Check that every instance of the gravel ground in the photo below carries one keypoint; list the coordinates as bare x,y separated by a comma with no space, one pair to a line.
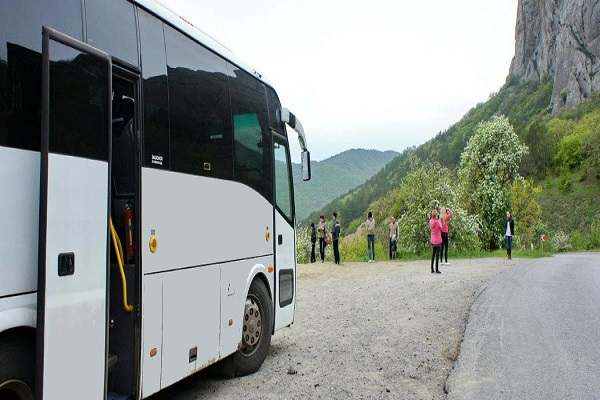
380,330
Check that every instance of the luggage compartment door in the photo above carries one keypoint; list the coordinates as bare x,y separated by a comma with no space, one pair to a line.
74,215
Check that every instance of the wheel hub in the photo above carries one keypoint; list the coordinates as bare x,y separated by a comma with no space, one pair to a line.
252,328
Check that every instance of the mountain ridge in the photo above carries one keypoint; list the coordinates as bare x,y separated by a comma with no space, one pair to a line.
336,175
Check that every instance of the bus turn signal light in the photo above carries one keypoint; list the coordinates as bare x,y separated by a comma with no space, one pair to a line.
270,269
153,352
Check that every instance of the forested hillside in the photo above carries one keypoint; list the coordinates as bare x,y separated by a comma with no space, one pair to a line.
335,176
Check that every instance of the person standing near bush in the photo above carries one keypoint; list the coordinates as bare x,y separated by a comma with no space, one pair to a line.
335,239
436,239
446,215
322,229
313,240
393,229
371,236
510,231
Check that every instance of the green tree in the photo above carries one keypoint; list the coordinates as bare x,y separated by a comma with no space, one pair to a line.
525,208
541,150
488,166
570,154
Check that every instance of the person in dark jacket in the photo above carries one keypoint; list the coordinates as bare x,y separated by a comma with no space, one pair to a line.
510,231
313,240
335,237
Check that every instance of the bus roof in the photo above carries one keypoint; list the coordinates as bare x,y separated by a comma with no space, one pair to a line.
179,22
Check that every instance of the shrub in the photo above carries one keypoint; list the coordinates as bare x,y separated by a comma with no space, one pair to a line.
565,185
593,238
354,248
577,242
561,242
569,152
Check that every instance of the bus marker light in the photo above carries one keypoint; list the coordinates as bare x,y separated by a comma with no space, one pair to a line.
268,234
153,352
270,269
230,322
153,244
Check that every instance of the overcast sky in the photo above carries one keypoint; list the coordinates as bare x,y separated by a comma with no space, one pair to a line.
374,74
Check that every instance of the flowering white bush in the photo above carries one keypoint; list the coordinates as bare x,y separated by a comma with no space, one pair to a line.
303,244
427,187
488,166
561,242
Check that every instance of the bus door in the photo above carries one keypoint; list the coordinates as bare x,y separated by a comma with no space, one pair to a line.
285,241
74,210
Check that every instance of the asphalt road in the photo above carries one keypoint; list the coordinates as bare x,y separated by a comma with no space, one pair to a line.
534,333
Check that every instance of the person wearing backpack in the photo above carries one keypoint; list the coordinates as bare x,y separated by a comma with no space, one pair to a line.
335,239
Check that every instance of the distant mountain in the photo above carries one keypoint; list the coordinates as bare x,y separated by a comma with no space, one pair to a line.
335,176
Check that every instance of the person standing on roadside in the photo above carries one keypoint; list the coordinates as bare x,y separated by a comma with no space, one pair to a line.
393,230
436,239
446,215
371,236
322,229
510,231
313,240
335,236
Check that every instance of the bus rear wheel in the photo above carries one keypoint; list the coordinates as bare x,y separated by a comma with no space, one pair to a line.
17,369
256,330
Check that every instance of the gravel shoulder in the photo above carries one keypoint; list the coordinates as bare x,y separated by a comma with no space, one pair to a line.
379,330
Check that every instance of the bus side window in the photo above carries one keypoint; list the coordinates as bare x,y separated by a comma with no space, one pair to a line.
201,134
155,135
252,135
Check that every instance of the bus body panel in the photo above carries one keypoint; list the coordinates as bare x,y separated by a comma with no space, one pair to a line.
176,322
75,305
190,321
19,208
201,221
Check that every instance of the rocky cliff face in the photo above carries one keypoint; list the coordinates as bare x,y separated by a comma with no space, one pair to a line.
560,40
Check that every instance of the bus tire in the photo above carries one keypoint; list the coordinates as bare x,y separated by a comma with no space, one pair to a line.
256,330
17,368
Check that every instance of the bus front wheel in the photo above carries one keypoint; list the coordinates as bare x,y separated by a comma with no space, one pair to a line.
256,330
17,368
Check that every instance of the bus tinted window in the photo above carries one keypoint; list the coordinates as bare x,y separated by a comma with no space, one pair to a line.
156,95
252,136
78,103
21,24
283,185
111,27
199,110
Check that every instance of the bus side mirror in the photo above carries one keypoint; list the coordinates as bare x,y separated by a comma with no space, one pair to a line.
306,165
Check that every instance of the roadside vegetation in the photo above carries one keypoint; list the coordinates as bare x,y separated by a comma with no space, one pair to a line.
508,153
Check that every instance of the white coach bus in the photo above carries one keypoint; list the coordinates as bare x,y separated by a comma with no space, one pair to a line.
146,203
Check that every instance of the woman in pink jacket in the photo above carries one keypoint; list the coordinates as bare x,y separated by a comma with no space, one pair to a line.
436,239
446,215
